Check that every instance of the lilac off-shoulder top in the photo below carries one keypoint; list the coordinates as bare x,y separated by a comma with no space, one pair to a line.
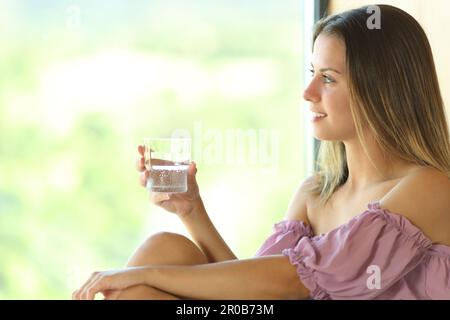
376,255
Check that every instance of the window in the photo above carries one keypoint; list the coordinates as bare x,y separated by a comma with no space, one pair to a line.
84,81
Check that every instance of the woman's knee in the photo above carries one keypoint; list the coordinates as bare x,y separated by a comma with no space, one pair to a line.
167,248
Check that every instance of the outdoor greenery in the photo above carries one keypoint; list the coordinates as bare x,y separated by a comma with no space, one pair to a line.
82,82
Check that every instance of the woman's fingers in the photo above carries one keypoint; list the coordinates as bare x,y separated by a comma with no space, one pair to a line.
98,285
78,294
143,177
141,149
158,197
192,171
192,168
107,282
140,164
98,282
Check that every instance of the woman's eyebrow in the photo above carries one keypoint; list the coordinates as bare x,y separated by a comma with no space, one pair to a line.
326,69
329,69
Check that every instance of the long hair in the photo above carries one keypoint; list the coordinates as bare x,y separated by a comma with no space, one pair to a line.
394,92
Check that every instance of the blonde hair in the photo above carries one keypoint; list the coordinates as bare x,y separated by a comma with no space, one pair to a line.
394,92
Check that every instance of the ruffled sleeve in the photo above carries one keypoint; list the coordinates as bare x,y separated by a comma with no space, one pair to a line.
286,234
361,259
438,273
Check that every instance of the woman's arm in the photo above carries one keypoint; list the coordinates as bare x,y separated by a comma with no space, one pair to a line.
269,277
188,206
209,240
205,234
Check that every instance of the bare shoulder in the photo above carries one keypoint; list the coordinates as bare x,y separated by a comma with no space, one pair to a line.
424,189
424,198
297,209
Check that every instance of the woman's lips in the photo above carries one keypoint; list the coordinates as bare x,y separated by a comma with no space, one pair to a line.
317,116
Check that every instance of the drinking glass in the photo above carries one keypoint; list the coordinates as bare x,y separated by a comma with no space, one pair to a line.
167,160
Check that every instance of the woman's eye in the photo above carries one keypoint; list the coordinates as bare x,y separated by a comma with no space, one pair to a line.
327,79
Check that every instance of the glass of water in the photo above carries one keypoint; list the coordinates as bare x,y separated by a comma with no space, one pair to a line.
167,160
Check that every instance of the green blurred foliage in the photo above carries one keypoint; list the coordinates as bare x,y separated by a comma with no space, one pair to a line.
84,81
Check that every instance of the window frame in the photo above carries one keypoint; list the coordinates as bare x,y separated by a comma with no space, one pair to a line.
313,11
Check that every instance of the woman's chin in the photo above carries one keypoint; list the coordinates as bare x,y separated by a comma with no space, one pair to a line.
323,136
326,135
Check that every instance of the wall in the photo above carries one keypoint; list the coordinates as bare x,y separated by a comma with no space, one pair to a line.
433,16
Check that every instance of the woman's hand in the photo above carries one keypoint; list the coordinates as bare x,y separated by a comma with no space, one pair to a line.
182,204
110,282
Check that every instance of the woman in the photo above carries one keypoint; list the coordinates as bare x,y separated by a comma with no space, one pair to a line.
372,222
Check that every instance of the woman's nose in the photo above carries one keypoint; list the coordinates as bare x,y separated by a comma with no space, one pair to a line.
311,92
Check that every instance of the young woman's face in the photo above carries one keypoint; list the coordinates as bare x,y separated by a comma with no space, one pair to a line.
327,91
